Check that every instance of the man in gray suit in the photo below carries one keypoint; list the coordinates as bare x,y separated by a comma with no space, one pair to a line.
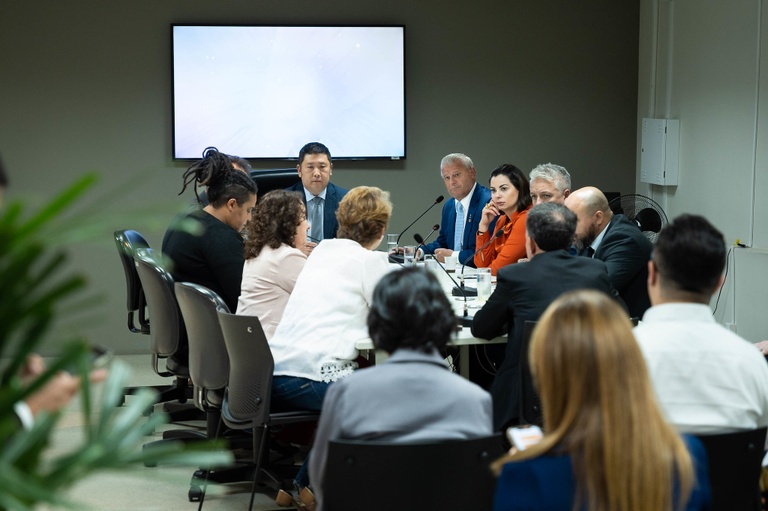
413,396
525,290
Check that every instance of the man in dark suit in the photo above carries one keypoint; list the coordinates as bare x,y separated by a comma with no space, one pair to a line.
321,197
525,290
465,205
616,241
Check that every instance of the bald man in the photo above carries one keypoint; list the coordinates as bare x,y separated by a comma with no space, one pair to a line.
616,241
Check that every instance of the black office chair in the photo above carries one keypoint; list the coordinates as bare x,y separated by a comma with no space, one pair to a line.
735,462
209,370
274,179
168,337
530,404
128,242
379,476
247,398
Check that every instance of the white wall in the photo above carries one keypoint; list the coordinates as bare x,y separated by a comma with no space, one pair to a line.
704,62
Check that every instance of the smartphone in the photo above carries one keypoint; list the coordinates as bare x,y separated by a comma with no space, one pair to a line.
524,437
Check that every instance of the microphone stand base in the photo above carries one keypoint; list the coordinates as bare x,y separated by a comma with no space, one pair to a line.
465,320
468,291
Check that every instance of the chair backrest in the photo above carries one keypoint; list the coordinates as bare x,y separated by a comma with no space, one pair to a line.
449,475
128,242
530,404
250,374
274,179
208,359
735,461
168,334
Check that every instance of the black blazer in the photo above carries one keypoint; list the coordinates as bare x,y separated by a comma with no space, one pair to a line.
333,196
523,292
625,250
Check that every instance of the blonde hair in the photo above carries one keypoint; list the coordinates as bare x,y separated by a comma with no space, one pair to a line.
599,408
363,213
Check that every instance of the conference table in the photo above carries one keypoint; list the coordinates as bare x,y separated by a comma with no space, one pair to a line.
463,337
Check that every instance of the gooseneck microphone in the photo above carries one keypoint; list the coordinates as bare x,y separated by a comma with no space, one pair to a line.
421,241
464,320
437,201
461,291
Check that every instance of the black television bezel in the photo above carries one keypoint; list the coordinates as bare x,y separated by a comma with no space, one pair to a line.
320,25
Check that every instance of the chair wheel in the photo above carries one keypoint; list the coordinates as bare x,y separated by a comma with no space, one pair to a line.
195,494
148,463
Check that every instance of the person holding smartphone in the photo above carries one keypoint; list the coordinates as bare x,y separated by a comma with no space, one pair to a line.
606,444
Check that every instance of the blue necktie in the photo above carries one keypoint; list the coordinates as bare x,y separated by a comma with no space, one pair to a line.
458,229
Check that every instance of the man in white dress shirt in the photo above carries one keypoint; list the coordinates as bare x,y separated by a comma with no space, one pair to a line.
707,378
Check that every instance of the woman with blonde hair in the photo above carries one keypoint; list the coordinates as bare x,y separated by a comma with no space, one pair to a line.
326,314
606,445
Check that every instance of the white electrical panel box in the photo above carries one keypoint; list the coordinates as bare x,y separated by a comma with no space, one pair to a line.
659,151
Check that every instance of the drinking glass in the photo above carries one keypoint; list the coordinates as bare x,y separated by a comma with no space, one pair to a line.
409,255
431,263
392,243
451,261
483,284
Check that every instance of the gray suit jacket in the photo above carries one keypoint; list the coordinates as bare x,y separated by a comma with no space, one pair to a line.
411,397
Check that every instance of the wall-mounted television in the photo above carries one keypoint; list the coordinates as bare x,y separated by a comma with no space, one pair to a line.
262,92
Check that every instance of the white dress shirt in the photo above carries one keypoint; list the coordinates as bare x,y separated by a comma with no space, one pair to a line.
707,379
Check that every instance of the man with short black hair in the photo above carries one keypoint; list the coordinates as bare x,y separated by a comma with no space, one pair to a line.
321,197
524,291
707,378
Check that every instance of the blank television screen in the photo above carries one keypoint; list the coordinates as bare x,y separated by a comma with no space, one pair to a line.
265,91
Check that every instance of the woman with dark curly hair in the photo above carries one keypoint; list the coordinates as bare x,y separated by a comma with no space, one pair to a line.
205,246
272,260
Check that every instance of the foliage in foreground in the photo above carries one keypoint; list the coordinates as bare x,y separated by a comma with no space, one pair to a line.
34,284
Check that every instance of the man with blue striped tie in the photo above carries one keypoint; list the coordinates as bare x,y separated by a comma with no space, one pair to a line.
461,213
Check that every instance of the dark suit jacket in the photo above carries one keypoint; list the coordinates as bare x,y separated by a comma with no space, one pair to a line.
333,196
522,294
625,250
479,199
